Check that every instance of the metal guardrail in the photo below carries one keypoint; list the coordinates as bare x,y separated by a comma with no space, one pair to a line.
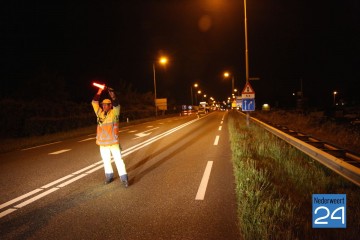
339,166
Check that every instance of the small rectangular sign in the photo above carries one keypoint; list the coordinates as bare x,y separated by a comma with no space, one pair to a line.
161,101
329,210
248,95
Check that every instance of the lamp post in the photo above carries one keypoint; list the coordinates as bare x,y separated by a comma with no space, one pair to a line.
246,59
155,89
246,46
163,61
335,92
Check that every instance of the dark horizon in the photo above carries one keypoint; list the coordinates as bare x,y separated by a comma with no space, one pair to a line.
290,42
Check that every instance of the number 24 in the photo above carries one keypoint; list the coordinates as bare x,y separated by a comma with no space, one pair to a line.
317,220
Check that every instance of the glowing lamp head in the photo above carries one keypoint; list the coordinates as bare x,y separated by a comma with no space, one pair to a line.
163,60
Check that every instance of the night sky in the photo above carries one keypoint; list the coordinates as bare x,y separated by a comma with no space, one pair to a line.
316,43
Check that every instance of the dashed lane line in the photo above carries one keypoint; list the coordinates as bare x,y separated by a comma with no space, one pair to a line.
216,140
59,152
200,195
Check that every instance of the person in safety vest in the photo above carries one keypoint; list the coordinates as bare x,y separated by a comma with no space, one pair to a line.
107,135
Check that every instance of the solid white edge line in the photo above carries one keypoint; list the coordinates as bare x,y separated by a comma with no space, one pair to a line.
86,168
94,169
36,197
71,180
204,182
57,181
20,198
155,138
6,212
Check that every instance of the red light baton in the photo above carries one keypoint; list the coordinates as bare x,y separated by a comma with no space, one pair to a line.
103,86
99,85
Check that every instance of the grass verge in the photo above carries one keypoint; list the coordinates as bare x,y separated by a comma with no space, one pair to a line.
275,183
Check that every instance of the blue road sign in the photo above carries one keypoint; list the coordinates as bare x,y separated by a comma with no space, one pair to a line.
248,104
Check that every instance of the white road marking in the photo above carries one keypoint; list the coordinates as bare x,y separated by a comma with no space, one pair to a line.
155,138
220,128
204,182
59,152
40,146
94,169
71,180
152,129
49,185
75,176
20,198
216,140
6,212
57,181
144,134
86,168
33,199
87,139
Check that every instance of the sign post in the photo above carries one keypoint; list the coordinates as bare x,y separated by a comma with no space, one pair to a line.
248,101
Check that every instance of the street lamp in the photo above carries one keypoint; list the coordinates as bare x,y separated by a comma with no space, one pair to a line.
335,92
226,75
199,92
191,92
163,61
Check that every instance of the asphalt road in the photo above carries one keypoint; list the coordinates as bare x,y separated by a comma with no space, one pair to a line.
181,186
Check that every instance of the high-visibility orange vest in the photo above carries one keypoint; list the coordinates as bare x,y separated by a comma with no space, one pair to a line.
108,125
